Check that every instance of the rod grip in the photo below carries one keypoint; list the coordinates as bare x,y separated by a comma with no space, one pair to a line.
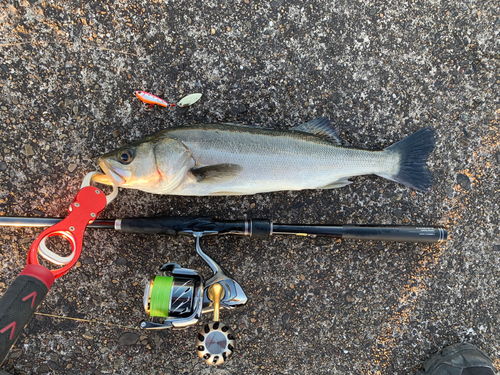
172,225
19,303
161,224
396,233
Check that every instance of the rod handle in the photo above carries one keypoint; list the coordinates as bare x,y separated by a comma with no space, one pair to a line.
172,225
19,303
395,233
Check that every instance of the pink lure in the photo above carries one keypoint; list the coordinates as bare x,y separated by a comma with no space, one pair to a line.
151,99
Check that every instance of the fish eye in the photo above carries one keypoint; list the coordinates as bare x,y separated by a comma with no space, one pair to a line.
126,156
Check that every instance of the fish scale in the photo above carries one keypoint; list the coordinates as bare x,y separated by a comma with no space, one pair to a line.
291,162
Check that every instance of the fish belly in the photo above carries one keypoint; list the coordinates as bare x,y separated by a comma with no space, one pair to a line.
275,161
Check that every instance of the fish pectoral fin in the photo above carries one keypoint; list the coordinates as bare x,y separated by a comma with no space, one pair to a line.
337,184
216,173
320,127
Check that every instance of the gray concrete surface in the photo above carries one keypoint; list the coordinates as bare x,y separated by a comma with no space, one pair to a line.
379,70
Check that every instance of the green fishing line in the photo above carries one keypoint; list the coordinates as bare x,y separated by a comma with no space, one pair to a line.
160,296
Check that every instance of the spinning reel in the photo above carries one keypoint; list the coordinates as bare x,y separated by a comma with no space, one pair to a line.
181,296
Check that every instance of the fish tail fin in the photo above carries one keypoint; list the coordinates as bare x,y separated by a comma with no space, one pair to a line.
414,151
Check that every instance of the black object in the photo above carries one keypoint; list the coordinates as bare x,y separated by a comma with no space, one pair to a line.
259,228
19,303
262,228
458,359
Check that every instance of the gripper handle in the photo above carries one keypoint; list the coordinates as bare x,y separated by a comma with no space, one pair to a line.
20,302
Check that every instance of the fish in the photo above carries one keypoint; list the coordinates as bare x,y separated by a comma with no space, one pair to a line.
151,99
231,159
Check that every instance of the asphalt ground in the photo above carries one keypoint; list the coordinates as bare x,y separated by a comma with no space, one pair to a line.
379,70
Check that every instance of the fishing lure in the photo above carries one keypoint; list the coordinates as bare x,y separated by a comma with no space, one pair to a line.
189,100
151,99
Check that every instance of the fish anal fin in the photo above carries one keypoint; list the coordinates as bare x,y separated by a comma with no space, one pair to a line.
226,193
216,173
337,184
320,127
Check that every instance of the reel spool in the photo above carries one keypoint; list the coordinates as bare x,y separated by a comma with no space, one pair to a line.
175,297
181,296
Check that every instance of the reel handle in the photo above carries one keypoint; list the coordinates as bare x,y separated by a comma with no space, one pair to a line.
215,342
20,302
216,294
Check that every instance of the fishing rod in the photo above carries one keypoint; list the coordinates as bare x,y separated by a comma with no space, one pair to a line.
258,228
179,297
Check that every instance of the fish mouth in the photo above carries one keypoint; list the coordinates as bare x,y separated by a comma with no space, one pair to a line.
102,179
110,176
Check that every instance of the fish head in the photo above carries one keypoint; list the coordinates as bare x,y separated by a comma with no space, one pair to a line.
149,165
129,166
142,94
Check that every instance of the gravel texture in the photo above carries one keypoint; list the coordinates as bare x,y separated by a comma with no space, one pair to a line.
379,70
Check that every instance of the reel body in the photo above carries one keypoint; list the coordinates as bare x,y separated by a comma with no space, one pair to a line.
177,297
180,297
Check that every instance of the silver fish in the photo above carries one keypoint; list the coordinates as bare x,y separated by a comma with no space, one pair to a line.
229,159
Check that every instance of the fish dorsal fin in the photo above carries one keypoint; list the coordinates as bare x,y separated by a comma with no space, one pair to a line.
216,173
320,127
